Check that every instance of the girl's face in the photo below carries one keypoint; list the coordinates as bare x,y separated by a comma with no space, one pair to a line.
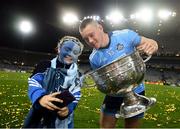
69,52
68,60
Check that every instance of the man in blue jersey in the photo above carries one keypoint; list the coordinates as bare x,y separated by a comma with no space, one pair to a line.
108,47
54,88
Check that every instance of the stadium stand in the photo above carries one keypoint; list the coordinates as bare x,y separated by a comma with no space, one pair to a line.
162,67
18,60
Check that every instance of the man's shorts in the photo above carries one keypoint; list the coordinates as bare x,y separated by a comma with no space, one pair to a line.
111,105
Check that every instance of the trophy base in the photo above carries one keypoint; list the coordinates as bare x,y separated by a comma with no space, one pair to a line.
140,105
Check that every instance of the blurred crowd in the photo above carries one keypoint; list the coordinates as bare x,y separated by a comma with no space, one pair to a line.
163,69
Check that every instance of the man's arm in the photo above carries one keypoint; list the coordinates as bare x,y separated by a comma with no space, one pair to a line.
148,46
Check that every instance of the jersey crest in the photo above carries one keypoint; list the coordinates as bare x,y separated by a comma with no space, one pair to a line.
120,46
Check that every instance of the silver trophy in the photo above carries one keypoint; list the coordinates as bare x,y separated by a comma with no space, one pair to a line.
119,78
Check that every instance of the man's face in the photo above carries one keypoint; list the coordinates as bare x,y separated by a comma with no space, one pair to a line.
92,34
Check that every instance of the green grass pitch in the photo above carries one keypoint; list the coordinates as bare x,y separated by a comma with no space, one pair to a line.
14,104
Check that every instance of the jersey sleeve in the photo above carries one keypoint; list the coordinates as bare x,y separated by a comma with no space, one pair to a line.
134,38
35,89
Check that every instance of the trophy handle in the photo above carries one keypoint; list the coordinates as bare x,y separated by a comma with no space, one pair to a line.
148,58
87,75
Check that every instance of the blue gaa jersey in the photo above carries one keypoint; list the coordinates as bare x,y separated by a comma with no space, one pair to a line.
122,43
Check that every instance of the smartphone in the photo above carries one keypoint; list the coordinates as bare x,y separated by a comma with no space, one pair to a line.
67,98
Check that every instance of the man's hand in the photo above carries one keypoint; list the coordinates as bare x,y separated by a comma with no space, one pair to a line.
148,46
46,101
63,112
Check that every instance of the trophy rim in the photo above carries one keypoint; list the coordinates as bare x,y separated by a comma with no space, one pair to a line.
112,62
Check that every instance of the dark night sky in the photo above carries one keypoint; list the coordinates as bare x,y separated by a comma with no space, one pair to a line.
45,15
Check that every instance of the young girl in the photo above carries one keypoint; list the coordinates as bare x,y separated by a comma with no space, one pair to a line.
50,79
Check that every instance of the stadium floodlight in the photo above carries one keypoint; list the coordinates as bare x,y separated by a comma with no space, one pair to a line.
70,18
94,17
165,14
145,15
115,17
25,26
173,14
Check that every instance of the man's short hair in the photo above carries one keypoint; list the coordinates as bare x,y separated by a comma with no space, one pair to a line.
88,21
